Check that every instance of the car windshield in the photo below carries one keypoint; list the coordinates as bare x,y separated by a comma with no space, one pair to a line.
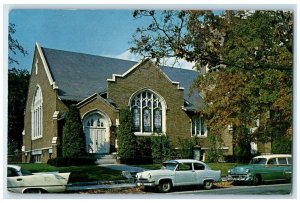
169,166
258,161
25,172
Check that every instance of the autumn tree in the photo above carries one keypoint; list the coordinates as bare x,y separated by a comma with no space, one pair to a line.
249,57
18,80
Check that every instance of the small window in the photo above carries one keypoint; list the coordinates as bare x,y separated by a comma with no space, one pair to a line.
282,161
290,160
184,167
272,161
11,172
198,166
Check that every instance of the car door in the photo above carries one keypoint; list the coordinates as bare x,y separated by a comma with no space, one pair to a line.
285,168
185,175
201,174
272,170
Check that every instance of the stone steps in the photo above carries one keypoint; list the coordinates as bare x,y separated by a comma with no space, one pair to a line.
106,159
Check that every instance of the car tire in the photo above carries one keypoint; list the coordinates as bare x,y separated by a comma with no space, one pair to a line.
207,185
165,186
256,180
34,190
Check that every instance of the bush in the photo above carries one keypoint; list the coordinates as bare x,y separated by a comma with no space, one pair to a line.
214,154
73,144
63,161
281,145
162,149
126,139
186,146
144,150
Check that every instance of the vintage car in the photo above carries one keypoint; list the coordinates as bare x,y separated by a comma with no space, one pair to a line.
179,172
22,181
273,167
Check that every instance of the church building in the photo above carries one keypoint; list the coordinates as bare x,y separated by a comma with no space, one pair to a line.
158,98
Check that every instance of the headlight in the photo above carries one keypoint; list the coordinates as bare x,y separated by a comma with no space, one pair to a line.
247,170
229,171
149,175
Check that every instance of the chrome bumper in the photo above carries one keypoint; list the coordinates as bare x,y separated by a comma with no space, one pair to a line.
239,177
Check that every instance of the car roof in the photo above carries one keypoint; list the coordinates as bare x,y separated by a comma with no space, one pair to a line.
18,168
268,156
183,161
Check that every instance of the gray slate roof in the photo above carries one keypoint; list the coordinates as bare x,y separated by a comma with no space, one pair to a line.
79,75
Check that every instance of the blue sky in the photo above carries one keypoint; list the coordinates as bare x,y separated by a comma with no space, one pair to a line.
98,32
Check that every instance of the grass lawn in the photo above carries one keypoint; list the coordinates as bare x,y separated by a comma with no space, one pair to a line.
78,173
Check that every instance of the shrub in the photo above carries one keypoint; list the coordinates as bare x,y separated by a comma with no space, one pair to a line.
162,149
214,154
144,150
281,145
73,144
185,148
79,161
126,139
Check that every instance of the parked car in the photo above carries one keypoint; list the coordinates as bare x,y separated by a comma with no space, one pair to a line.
22,181
179,172
273,167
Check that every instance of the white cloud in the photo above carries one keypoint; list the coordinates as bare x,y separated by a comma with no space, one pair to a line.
180,63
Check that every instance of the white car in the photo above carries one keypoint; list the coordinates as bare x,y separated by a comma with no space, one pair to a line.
22,181
179,172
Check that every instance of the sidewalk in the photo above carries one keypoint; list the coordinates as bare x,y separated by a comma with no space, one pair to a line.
127,171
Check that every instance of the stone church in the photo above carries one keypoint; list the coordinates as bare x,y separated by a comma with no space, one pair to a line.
158,98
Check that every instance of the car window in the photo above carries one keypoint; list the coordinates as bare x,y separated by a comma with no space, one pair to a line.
184,167
290,160
272,161
282,161
25,172
11,172
258,161
198,166
169,166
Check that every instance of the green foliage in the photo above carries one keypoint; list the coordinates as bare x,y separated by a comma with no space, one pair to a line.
13,45
127,145
162,148
253,53
282,145
73,142
18,81
185,150
143,150
214,154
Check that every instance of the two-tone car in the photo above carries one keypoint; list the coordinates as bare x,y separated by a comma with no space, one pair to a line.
23,181
264,168
180,172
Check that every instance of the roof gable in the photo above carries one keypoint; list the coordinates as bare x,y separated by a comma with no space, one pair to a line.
78,75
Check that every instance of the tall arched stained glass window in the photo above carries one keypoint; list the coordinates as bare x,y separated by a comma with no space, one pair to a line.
37,114
147,112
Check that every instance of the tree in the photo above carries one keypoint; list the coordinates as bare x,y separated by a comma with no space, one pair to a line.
73,142
18,81
13,45
252,54
127,144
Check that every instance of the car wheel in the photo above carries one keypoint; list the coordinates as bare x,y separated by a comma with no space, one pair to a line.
165,186
34,190
208,184
256,180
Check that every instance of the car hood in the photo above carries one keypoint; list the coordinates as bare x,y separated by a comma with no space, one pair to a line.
242,169
161,172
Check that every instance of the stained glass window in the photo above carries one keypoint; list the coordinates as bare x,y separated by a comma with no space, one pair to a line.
146,110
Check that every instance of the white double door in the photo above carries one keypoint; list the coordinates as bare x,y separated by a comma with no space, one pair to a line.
96,132
97,141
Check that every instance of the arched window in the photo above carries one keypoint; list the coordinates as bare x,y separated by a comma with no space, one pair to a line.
147,111
37,114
